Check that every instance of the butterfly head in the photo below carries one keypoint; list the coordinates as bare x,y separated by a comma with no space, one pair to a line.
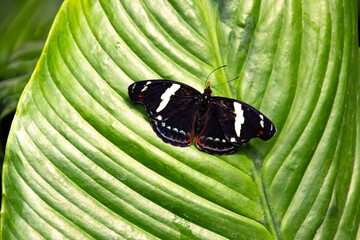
207,90
208,84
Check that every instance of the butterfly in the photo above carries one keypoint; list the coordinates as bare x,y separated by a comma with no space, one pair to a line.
179,114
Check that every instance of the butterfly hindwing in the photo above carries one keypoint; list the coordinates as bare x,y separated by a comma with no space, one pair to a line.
177,129
212,138
171,106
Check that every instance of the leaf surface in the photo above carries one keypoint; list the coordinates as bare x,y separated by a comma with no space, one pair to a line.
83,162
24,26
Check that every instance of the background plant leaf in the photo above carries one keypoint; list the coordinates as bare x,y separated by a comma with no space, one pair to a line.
24,26
83,162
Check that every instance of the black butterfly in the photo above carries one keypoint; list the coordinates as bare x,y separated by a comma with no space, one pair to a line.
179,113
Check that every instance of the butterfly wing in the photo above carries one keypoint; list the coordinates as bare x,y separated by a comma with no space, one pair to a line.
212,138
233,123
171,106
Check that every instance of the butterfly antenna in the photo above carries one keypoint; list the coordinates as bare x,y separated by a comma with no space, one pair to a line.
212,72
226,82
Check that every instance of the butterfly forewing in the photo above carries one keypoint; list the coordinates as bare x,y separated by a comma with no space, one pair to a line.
171,106
241,122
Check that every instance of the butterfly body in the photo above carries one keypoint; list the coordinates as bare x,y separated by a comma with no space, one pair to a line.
179,114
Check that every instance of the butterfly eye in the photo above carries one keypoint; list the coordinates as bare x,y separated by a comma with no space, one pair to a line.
140,96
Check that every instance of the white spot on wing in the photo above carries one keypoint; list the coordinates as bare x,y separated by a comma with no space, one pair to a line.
262,123
239,119
144,88
232,139
159,117
165,97
133,87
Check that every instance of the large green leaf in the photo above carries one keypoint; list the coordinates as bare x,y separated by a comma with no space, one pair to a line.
24,26
83,162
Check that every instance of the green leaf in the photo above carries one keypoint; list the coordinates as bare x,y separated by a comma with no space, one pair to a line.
83,162
24,26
